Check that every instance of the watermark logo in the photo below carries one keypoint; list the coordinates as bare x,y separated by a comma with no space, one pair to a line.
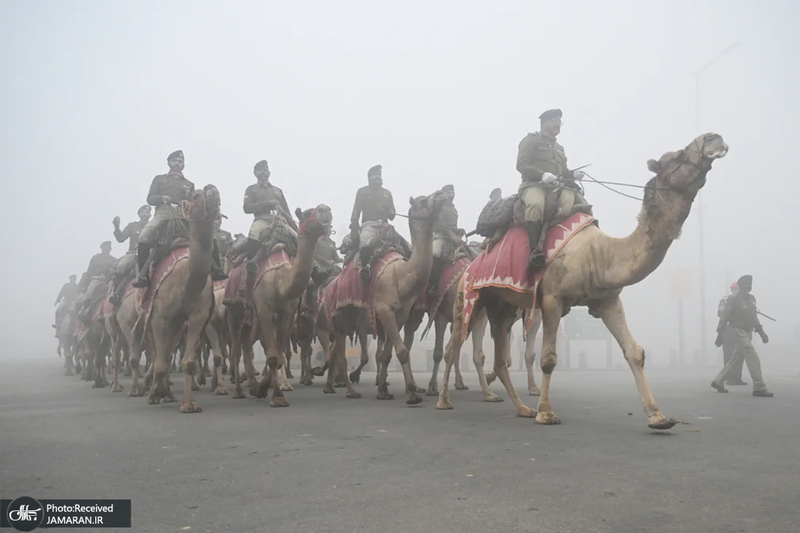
25,514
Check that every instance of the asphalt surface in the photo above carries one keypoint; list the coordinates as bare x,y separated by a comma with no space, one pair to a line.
327,463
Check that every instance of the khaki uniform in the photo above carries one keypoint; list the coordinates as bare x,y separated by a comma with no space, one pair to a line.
740,317
257,199
325,254
539,153
68,294
174,185
127,263
95,280
445,233
374,206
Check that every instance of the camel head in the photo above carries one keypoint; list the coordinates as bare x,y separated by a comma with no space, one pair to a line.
685,170
204,204
426,207
315,222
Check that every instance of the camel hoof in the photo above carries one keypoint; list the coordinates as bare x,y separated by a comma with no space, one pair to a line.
116,387
527,413
169,398
286,387
354,394
289,374
547,419
414,399
355,377
432,391
461,387
418,390
238,394
308,382
329,390
151,400
385,395
191,408
279,402
534,392
443,404
317,371
662,423
134,393
339,384
221,391
201,380
494,398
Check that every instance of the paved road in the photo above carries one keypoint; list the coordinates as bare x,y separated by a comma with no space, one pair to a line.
331,464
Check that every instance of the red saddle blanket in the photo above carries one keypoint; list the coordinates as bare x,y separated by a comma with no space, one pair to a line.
349,289
450,275
506,264
158,274
108,309
235,284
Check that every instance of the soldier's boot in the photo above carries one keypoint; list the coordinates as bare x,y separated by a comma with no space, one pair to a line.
118,283
366,269
251,247
537,259
433,280
217,272
143,261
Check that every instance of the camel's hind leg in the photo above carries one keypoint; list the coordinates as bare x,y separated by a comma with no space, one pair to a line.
197,322
163,341
391,328
501,317
551,315
530,353
453,349
479,358
613,315
274,360
217,380
355,375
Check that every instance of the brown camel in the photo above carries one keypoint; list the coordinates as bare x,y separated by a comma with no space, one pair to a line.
65,333
185,296
218,322
119,326
275,299
591,270
396,289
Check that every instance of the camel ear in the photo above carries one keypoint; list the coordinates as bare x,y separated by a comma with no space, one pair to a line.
411,200
653,166
298,212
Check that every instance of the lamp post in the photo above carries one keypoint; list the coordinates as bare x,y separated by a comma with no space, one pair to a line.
697,75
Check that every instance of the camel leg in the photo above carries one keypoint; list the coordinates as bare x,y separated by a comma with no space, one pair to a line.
459,384
339,360
274,361
501,317
551,315
383,356
479,358
197,322
440,325
355,375
235,328
393,338
116,349
613,315
530,353
217,380
163,341
282,341
453,349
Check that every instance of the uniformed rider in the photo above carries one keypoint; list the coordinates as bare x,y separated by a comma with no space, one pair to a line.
126,267
374,206
447,237
543,163
167,193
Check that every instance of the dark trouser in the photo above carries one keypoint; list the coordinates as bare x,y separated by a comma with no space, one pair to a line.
728,345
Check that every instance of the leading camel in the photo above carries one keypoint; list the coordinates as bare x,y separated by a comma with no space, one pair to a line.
592,269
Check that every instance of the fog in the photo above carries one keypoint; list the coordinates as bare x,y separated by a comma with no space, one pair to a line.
97,94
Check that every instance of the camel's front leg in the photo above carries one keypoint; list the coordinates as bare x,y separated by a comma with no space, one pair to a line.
530,353
217,380
355,375
613,316
116,349
274,360
551,315
285,351
440,325
390,327
479,358
196,324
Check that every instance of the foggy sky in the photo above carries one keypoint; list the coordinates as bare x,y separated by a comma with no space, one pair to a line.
96,94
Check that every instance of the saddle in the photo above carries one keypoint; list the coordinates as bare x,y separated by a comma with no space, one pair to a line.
278,237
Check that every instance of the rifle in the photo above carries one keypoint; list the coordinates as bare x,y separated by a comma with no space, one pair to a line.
765,316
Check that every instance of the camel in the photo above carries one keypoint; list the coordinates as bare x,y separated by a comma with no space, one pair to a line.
275,298
65,333
219,322
591,270
185,296
119,326
396,288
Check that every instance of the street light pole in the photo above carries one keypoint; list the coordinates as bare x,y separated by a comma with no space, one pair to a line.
700,202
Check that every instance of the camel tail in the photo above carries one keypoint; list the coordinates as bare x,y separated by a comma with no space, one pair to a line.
458,311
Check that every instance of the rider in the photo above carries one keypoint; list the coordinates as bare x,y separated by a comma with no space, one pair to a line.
95,279
67,295
326,260
167,192
222,239
375,206
542,162
446,239
268,205
126,268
